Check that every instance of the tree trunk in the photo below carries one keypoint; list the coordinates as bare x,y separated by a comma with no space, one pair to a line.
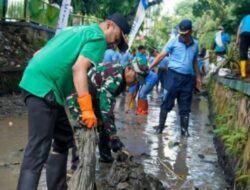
84,176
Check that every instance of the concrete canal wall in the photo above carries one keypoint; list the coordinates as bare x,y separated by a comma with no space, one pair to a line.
231,108
18,42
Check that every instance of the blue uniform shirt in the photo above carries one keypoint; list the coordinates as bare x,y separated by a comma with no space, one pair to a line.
141,55
164,63
245,24
225,40
126,58
181,56
109,56
116,57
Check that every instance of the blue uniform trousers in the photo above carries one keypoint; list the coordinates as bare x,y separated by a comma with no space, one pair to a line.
178,86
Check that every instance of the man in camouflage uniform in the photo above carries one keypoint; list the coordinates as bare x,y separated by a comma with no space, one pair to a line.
106,82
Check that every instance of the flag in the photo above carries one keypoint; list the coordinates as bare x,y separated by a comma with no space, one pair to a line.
64,15
140,15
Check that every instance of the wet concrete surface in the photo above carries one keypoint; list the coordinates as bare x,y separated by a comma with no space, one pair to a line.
179,162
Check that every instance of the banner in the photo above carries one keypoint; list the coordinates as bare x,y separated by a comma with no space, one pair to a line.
64,15
140,15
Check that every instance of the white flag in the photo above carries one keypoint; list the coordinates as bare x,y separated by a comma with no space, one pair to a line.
140,15
64,15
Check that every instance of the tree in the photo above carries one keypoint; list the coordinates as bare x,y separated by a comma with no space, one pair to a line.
240,9
103,8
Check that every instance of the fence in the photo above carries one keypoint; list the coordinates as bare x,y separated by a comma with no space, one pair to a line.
39,12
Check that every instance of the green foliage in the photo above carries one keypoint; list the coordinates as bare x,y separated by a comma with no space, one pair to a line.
184,9
103,8
200,7
234,138
159,34
206,39
225,12
238,95
42,13
52,15
35,9
243,179
222,119
235,141
79,5
232,57
240,9
15,10
221,130
1,8
38,43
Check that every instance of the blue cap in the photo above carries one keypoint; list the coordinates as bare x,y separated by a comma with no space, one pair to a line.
185,26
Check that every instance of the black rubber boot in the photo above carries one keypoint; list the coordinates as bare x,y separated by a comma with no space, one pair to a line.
184,125
162,120
104,149
56,171
28,180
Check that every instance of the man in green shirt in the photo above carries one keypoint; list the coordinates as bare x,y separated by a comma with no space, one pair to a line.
57,70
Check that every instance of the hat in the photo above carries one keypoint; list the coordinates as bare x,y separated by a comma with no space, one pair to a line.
185,26
220,28
140,67
122,23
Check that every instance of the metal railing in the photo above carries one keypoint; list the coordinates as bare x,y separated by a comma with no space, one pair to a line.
39,12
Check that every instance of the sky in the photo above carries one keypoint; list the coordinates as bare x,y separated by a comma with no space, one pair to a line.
169,6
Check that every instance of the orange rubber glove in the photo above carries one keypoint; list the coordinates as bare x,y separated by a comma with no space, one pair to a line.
88,115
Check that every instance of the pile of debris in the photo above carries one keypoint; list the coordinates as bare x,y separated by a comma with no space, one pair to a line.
126,174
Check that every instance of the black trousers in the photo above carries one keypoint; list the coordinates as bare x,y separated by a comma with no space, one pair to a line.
47,123
244,45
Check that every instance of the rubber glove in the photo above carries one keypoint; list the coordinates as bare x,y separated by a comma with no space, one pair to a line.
88,115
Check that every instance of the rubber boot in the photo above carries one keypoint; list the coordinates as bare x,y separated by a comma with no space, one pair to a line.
162,120
184,125
28,180
56,171
243,64
144,107
139,107
104,149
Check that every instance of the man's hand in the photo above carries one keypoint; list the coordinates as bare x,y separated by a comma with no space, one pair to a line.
198,83
237,43
116,144
88,115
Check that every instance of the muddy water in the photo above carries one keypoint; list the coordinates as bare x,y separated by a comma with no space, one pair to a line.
180,163
13,135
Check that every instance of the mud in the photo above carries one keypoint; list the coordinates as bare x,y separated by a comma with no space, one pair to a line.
11,105
175,161
127,174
